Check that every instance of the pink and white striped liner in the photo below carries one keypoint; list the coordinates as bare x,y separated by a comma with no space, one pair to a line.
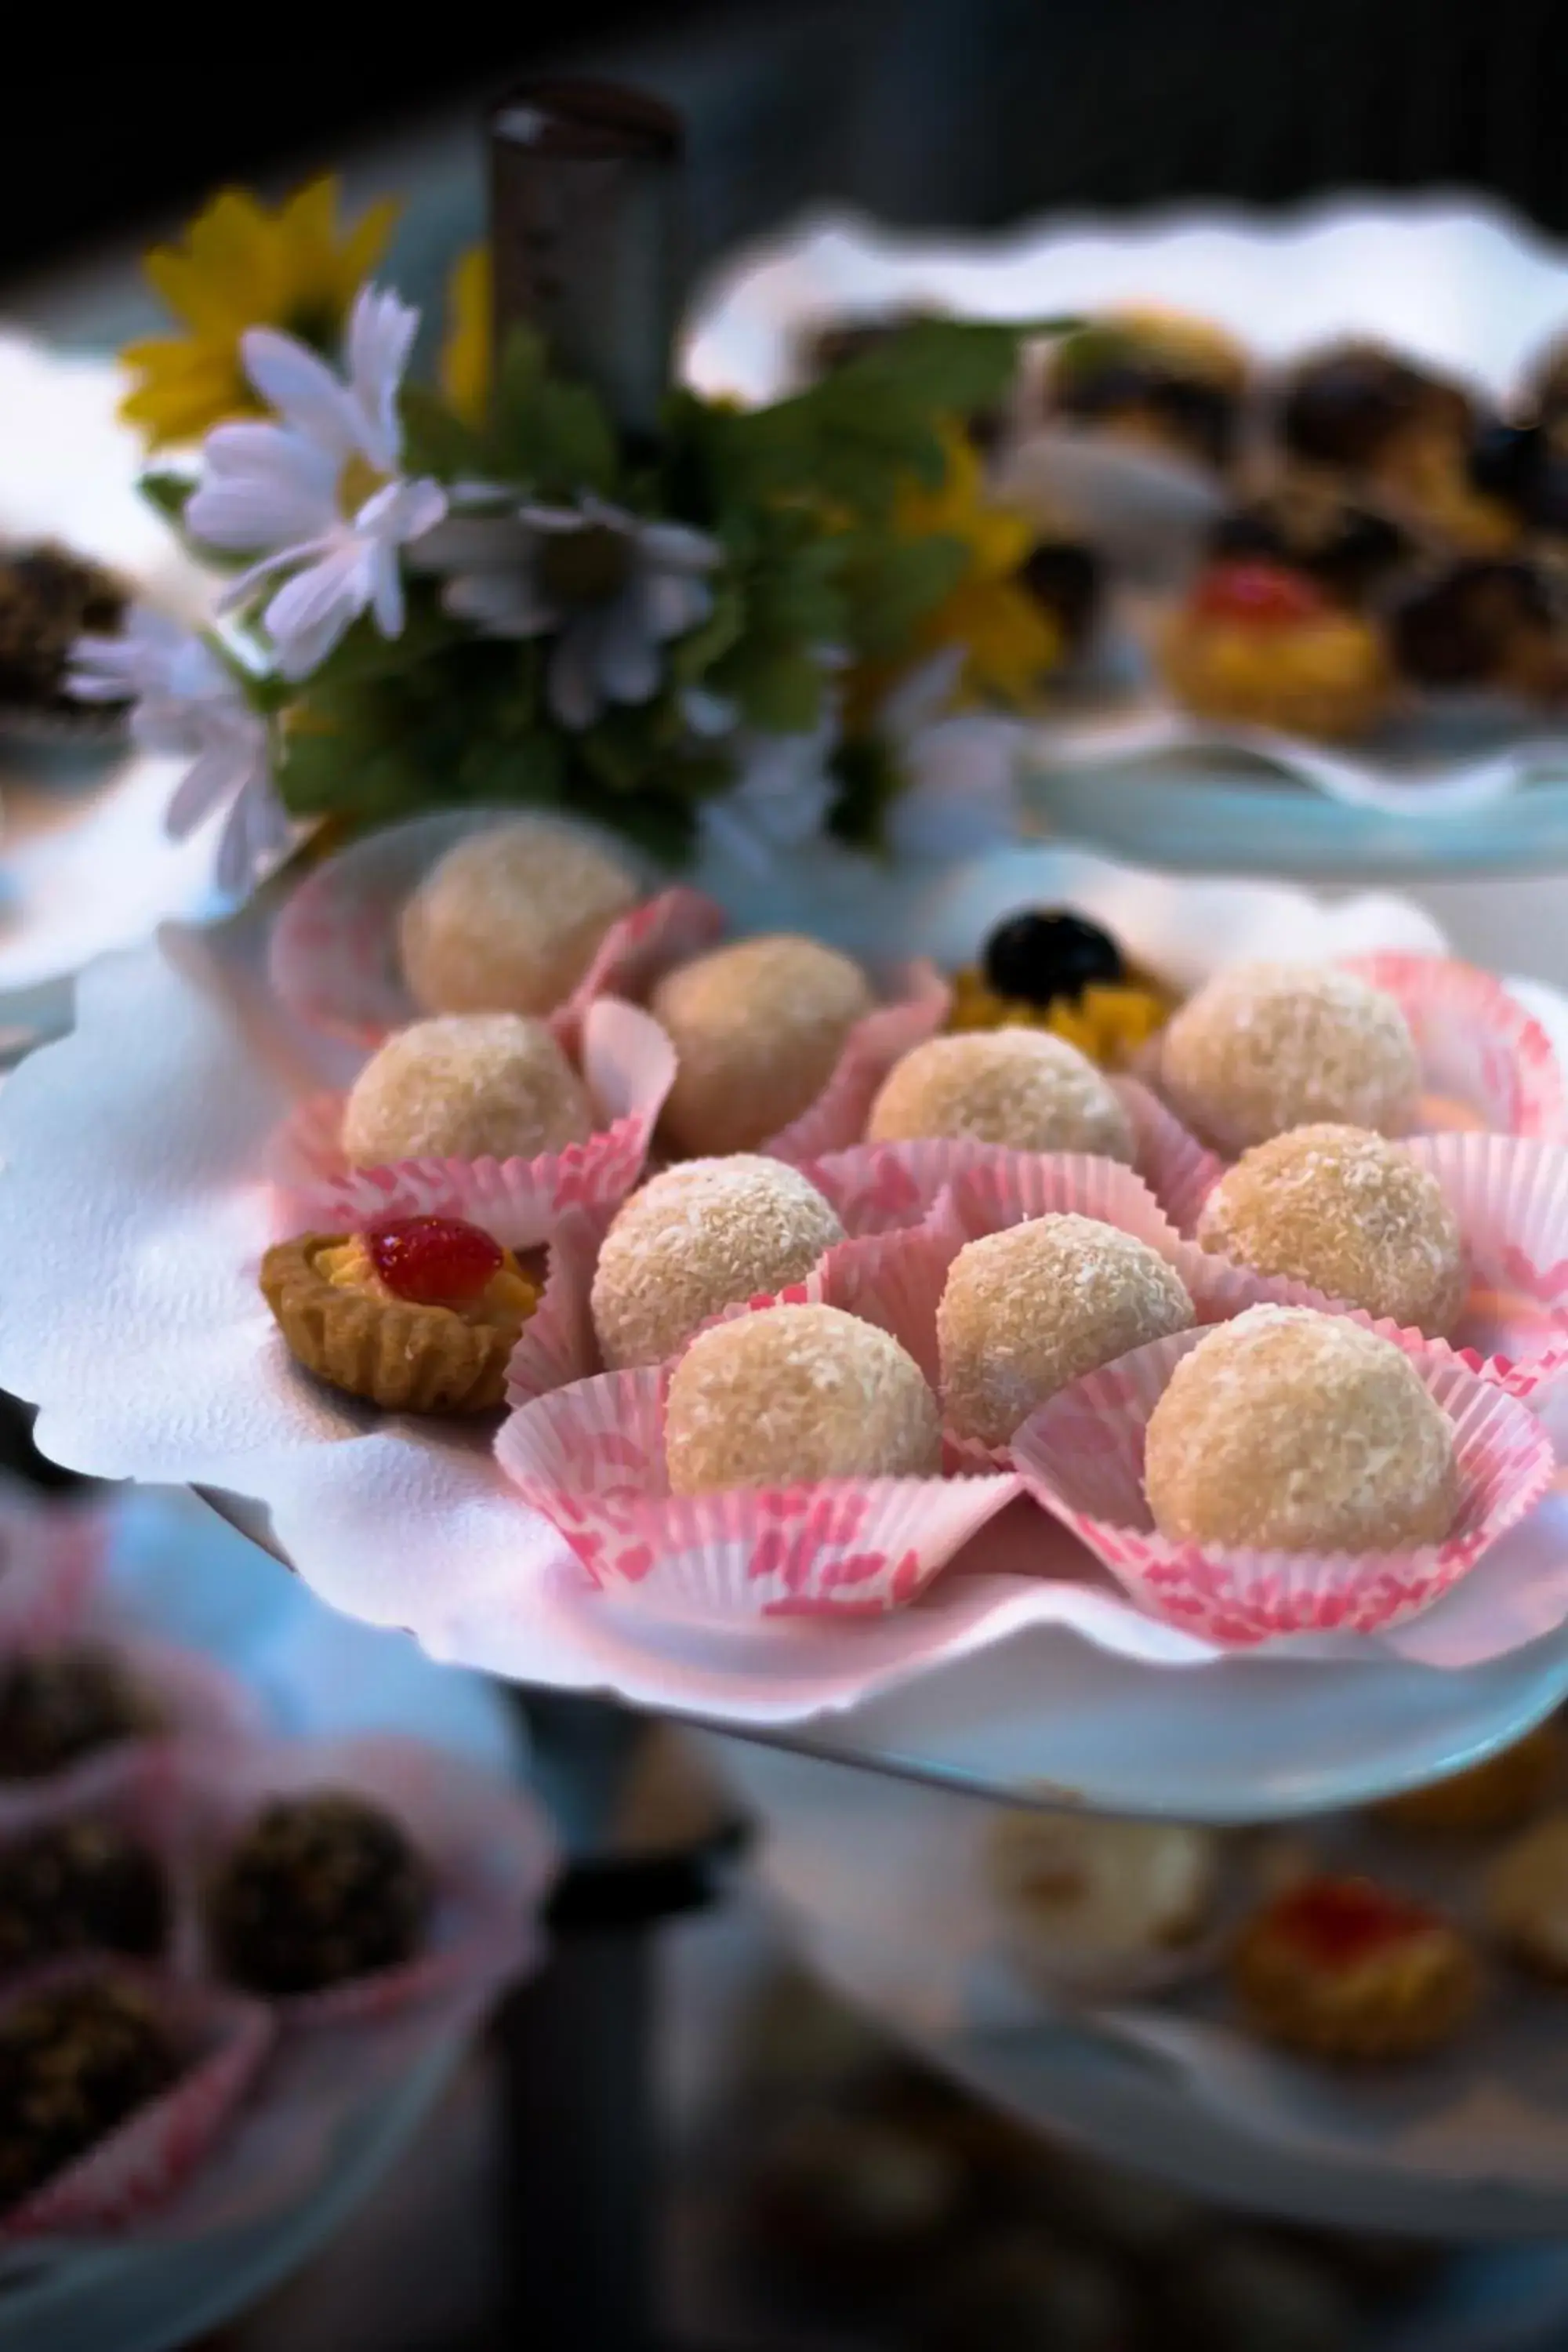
591,1459
486,1843
1081,1456
128,2174
1486,1061
51,1553
628,1064
837,1120
333,955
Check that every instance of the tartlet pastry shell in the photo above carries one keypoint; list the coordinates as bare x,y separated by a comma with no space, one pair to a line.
393,1353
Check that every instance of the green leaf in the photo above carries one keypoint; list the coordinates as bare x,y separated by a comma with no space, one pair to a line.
712,638
436,442
547,433
167,493
890,584
779,689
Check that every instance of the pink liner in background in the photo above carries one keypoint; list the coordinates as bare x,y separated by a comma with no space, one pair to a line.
134,2171
1081,1456
332,954
629,1065
1485,1060
51,1555
486,1843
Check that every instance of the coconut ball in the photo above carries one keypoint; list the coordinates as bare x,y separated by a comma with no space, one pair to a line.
1299,1433
1348,1213
757,1028
466,1086
793,1394
1027,1311
1020,1087
510,920
707,1234
1268,1047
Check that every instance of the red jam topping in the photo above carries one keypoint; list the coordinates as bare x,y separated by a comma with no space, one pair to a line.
1338,1921
434,1261
1263,594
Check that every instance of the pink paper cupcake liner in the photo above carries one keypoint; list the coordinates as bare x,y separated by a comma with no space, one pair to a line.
628,1064
1177,1169
133,2171
1081,1456
490,1854
51,1554
333,955
883,1189
591,1459
837,1120
1485,1062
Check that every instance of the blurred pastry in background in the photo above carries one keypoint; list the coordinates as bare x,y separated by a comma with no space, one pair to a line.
1257,645
1496,1795
1347,1968
1364,410
1347,548
1082,1893
1486,624
1527,1897
48,598
1155,377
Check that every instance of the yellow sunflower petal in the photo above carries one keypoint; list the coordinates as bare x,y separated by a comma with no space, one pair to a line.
184,390
364,246
1011,644
465,354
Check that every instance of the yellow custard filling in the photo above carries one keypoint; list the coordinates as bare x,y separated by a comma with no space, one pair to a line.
1109,1022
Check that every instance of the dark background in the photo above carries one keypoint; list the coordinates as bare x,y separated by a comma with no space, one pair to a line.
959,110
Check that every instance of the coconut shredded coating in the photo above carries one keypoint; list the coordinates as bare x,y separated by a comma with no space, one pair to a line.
707,1234
1350,1214
1298,1432
466,1086
757,1028
1022,1089
794,1394
511,919
1027,1311
1264,1047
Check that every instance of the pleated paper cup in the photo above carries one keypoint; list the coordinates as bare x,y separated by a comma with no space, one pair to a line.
484,1842
629,1065
1485,1062
837,1120
51,1554
1178,1170
333,957
888,1188
1081,1456
224,2038
591,1459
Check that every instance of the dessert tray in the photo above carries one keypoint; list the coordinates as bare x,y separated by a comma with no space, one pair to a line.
1462,288
1022,1667
328,2123
85,862
886,1890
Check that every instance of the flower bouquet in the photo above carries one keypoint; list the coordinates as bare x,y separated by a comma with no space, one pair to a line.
688,621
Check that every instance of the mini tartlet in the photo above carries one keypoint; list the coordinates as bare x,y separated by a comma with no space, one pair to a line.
1346,1968
1256,644
419,1315
1527,1897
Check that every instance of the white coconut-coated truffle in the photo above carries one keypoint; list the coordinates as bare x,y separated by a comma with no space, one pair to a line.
757,1028
511,919
794,1394
704,1235
1264,1047
466,1086
1028,1310
1022,1089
